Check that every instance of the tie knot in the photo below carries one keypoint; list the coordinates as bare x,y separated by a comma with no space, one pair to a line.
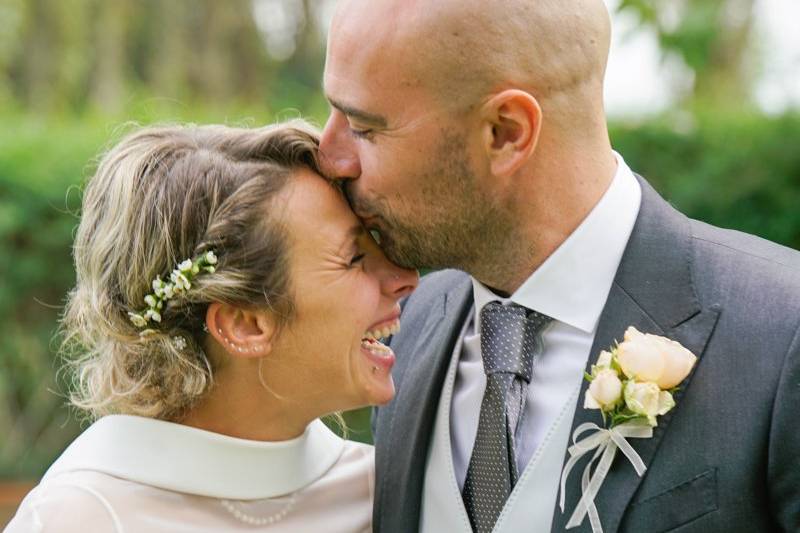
510,337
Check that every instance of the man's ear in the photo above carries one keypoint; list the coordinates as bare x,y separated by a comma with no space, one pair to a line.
512,122
247,333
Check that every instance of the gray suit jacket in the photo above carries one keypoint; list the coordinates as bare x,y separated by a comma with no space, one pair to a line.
726,459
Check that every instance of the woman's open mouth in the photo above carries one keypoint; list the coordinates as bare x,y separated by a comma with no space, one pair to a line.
379,354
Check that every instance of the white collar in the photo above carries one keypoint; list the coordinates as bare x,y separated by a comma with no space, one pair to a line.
193,461
572,285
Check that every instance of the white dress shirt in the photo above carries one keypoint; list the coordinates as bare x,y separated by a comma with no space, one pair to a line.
571,287
133,474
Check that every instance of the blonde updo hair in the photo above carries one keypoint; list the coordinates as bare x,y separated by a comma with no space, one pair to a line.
162,195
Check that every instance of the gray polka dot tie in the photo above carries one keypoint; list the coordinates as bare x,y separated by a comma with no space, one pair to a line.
510,337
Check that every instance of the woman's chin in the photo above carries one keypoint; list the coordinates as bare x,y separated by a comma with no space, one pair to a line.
381,394
376,369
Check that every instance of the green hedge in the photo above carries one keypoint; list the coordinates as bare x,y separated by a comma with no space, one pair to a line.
739,172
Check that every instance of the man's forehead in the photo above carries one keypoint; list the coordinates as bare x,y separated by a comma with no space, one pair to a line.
373,31
361,66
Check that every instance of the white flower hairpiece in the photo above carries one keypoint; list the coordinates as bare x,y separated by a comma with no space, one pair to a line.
180,281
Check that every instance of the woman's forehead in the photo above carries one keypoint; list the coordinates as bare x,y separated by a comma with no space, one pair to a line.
317,212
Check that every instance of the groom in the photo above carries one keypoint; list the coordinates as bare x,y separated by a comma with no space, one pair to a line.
471,135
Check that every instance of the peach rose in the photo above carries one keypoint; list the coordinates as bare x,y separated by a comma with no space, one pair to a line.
651,358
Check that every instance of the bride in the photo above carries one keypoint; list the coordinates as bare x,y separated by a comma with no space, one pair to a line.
226,298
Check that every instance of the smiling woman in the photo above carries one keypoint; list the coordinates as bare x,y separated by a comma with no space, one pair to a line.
226,298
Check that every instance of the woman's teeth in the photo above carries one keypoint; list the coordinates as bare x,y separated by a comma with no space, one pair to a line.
376,347
383,332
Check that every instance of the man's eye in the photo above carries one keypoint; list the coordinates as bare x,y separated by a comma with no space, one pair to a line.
362,134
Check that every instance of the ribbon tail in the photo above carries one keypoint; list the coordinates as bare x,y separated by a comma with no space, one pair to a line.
630,453
577,451
594,484
591,509
576,456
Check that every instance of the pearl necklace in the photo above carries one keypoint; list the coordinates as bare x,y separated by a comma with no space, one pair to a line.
256,521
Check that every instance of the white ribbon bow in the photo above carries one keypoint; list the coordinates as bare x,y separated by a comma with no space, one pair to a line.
606,442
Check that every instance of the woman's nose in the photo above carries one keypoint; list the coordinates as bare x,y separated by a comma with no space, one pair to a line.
338,155
396,282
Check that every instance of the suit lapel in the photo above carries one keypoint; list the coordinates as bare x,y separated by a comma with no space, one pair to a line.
653,292
412,428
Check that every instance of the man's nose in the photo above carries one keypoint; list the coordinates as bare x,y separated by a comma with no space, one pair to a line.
338,155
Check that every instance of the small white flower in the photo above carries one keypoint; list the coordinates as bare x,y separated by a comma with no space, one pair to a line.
150,300
604,360
605,391
158,285
648,399
210,269
211,258
185,266
138,320
183,282
152,314
180,342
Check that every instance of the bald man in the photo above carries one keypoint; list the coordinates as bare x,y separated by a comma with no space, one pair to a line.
471,135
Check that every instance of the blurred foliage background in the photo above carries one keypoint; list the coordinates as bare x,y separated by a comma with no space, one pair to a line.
73,71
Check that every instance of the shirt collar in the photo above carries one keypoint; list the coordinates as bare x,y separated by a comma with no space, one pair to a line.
572,285
185,459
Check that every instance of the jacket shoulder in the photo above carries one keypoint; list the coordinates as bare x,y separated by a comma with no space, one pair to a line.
750,248
754,281
740,263
432,286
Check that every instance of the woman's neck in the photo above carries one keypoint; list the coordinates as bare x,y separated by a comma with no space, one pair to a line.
241,412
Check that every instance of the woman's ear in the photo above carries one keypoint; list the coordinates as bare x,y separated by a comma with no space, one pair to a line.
247,333
512,122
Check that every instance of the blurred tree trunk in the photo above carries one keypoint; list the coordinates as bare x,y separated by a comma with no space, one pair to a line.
247,55
165,30
108,80
57,54
12,20
74,54
713,39
36,62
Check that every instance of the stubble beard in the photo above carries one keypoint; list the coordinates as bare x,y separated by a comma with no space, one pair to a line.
447,224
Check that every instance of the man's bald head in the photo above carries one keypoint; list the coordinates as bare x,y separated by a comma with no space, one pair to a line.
471,133
465,49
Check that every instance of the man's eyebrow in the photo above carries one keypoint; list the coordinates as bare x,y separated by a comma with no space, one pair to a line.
358,114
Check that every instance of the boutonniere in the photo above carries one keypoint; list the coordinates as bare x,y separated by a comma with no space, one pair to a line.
631,386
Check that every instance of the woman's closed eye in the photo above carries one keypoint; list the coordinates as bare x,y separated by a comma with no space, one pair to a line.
357,259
